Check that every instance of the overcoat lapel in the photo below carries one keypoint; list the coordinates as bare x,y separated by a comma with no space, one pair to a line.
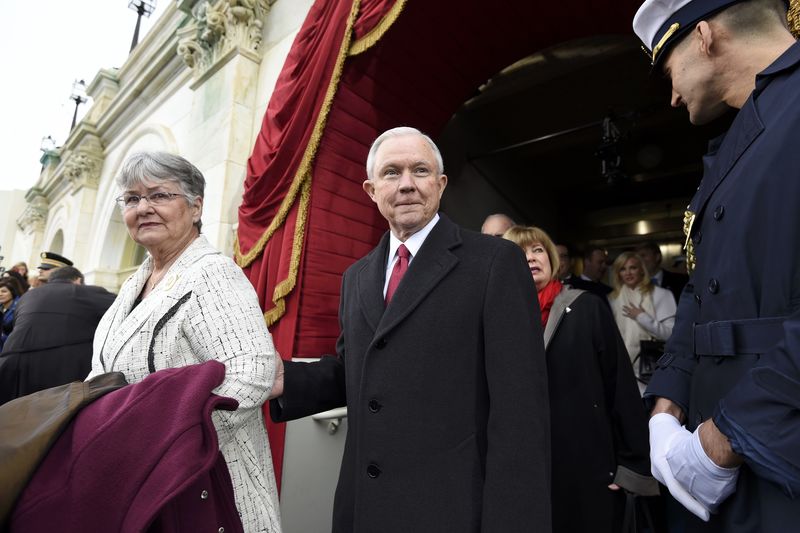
432,263
370,281
557,312
748,126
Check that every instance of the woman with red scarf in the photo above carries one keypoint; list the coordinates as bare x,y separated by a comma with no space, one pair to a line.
598,423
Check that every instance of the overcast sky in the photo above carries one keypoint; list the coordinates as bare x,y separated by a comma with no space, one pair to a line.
46,45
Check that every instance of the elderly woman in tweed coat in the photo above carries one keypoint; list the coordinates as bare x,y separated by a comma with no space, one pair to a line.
188,304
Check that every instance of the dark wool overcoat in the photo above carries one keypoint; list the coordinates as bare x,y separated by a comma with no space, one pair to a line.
446,391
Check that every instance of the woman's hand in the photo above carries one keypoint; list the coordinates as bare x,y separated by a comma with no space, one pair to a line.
614,486
632,311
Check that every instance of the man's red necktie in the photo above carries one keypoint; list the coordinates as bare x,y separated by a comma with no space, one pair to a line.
399,270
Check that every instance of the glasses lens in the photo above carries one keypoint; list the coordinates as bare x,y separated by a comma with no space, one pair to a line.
158,198
130,200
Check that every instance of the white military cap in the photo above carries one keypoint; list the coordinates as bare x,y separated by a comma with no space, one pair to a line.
661,23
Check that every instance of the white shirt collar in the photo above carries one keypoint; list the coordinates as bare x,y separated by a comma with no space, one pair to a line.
413,243
659,277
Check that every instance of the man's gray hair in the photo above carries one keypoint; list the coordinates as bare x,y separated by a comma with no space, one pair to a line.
163,167
401,131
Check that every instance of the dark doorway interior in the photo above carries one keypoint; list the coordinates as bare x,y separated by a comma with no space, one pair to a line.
526,144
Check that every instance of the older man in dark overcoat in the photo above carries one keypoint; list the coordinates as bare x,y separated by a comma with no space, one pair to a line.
731,371
441,364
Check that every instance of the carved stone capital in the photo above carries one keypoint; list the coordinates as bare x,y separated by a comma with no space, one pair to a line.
34,217
219,27
82,170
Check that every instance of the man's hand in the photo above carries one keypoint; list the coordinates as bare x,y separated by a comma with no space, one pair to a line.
665,432
707,481
277,386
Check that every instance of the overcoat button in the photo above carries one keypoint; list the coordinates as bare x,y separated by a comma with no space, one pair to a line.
221,530
204,495
698,237
697,299
381,344
374,406
713,286
719,212
373,471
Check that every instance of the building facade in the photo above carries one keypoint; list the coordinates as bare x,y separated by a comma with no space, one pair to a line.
196,86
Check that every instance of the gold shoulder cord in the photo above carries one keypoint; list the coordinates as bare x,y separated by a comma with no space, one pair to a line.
793,16
688,247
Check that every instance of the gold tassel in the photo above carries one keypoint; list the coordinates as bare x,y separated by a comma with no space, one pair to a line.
374,35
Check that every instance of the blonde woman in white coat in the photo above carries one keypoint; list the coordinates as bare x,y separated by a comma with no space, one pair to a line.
188,304
642,310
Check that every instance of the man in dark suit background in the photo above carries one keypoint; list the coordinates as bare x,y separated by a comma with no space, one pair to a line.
443,372
51,343
594,269
651,257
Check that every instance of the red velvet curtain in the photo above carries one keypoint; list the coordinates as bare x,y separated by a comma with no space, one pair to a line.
358,67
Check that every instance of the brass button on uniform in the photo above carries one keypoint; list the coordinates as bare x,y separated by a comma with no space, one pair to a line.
713,286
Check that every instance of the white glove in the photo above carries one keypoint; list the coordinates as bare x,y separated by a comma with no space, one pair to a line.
665,432
705,480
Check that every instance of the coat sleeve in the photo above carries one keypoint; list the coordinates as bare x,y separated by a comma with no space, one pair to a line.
660,326
761,414
672,378
517,476
226,325
310,388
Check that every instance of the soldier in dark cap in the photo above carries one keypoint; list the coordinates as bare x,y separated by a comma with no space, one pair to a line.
51,260
731,371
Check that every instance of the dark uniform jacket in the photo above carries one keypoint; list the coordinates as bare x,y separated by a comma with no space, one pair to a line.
446,390
741,363
51,343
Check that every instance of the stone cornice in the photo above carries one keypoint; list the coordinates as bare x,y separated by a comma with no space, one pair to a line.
219,30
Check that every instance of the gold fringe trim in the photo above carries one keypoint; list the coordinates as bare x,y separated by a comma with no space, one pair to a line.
286,286
302,184
374,35
304,170
793,16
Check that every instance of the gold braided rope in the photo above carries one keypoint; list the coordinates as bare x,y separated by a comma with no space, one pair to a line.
374,35
793,16
300,184
304,169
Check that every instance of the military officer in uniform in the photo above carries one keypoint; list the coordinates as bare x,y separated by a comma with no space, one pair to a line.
731,371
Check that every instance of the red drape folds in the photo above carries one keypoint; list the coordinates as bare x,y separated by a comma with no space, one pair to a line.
275,205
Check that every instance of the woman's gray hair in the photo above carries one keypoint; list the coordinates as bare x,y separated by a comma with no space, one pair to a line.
161,167
401,131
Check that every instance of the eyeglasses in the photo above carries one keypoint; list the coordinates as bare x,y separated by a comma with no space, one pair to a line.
129,201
